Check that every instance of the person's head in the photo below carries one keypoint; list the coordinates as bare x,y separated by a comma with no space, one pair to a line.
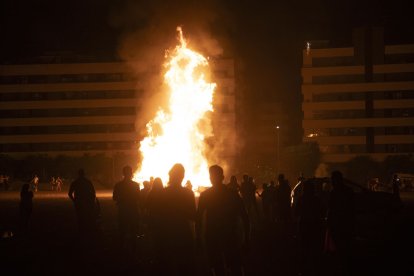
245,178
233,179
337,179
176,174
281,177
157,184
216,175
25,187
127,172
146,184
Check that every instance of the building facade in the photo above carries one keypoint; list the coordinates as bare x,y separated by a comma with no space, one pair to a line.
88,108
359,100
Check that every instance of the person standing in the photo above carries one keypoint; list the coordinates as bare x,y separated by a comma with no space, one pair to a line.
233,184
283,200
53,183
222,208
59,184
341,218
35,183
178,215
126,194
309,211
153,208
83,195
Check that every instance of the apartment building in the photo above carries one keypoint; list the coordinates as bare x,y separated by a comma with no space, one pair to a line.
359,100
88,108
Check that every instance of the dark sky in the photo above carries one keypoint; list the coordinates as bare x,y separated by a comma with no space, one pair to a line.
266,36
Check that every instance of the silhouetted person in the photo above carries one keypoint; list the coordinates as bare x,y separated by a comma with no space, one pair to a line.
144,192
233,184
341,217
189,185
59,184
154,214
267,196
6,182
222,209
83,195
396,186
178,215
310,213
272,190
283,200
126,194
25,207
53,183
248,194
35,183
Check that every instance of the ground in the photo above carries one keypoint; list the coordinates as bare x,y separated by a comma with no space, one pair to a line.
52,247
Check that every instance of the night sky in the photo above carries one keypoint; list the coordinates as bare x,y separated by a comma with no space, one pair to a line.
267,37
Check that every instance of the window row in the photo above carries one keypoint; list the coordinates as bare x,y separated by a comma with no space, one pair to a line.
70,95
73,129
361,96
390,148
68,112
68,78
84,146
357,114
358,131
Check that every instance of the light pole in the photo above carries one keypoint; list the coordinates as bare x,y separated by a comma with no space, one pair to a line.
278,151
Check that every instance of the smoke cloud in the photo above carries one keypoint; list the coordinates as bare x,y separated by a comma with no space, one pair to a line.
149,30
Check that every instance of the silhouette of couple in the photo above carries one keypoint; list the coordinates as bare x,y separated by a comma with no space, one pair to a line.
216,224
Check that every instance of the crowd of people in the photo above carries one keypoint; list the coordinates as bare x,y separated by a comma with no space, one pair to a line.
219,225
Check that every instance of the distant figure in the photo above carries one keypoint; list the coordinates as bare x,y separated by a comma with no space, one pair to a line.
248,194
154,212
341,217
222,209
267,196
59,184
283,200
234,185
25,207
178,215
126,194
52,183
396,186
188,185
309,210
83,195
35,183
272,190
144,193
4,181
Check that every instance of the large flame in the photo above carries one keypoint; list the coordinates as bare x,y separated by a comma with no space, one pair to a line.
177,135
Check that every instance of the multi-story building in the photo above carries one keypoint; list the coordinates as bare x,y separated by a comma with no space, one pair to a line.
88,108
359,100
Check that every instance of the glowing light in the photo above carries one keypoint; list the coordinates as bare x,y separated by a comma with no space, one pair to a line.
176,134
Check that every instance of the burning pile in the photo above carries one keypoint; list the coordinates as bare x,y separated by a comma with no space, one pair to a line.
177,135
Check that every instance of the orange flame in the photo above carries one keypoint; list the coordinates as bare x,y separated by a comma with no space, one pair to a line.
176,135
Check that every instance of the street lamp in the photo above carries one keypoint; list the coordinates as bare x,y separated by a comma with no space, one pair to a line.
278,151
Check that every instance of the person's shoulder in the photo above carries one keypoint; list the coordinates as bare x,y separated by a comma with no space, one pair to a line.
207,192
187,191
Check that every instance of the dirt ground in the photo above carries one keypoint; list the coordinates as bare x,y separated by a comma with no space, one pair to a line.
53,248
